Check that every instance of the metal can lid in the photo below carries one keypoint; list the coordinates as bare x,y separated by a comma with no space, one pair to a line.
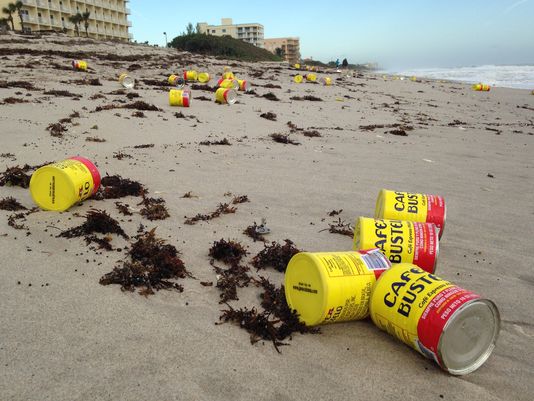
469,337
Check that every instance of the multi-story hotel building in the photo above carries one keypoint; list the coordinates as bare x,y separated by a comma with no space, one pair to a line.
108,18
290,48
251,33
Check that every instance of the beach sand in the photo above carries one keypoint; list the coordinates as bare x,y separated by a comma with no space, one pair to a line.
63,336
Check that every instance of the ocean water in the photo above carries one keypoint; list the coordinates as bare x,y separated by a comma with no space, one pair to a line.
507,76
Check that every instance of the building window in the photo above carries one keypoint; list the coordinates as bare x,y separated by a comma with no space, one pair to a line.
224,30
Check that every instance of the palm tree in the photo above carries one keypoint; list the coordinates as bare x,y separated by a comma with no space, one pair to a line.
9,10
18,6
85,19
76,19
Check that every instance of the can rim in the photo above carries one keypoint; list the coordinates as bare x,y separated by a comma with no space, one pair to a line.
486,354
444,218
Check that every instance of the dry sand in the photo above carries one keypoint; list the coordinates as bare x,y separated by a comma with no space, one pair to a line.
66,337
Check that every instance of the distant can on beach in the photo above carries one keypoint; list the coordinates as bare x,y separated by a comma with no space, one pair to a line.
244,85
311,77
454,327
176,80
400,241
126,81
79,65
297,66
225,96
203,77
58,186
423,208
481,87
298,78
228,83
190,75
327,81
180,97
329,287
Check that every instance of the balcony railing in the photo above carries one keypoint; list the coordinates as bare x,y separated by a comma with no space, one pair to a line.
65,9
43,21
28,2
27,18
129,23
127,10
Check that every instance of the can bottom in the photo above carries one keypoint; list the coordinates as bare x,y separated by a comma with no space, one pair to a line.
469,337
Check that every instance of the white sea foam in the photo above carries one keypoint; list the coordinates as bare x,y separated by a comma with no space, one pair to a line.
508,76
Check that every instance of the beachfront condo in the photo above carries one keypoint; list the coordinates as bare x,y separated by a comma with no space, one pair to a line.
107,19
251,33
288,48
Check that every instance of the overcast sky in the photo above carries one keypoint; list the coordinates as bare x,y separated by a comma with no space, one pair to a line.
395,33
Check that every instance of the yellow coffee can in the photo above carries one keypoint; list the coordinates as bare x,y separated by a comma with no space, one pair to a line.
190,75
327,81
228,75
329,287
297,66
298,78
58,186
397,205
79,65
176,80
454,327
180,97
203,77
311,77
126,81
481,87
244,85
228,83
225,96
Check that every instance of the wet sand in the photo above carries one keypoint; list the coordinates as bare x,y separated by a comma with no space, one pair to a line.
64,336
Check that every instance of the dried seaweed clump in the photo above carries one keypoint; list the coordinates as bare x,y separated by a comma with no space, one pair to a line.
96,221
223,208
60,93
56,130
13,220
252,232
153,264
282,138
229,252
311,133
268,116
114,187
271,96
275,322
275,255
340,227
228,280
140,105
398,132
307,97
154,209
223,141
16,176
240,199
11,204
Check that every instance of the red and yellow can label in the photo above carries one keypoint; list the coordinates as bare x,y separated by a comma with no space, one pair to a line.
399,241
422,208
414,306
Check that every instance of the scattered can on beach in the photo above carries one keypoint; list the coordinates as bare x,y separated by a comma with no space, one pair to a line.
176,80
79,65
481,87
190,75
311,77
329,287
297,66
244,85
180,97
327,81
225,96
228,83
400,241
454,327
126,81
58,186
298,78
227,73
203,77
422,208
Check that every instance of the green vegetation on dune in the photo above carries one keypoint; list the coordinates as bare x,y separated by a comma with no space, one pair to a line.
221,46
